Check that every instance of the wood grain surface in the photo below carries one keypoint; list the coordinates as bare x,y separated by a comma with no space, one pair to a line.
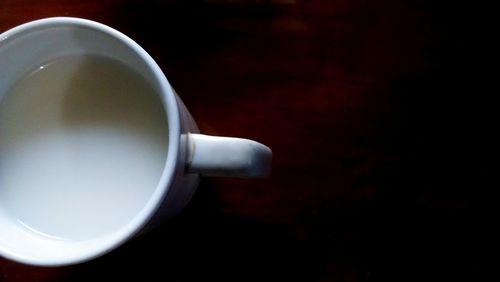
380,117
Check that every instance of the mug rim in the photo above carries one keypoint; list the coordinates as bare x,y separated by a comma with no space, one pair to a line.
169,101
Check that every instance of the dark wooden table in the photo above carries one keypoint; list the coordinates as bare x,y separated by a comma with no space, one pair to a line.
382,167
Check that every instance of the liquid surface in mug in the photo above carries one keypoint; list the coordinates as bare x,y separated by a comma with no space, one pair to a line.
83,143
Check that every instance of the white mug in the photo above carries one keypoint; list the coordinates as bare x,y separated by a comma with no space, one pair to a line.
189,153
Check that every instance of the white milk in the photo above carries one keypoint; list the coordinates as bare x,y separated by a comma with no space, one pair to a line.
83,143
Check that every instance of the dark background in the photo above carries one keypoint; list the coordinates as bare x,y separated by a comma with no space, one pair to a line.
381,118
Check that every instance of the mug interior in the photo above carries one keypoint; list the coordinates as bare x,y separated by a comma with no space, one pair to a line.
31,45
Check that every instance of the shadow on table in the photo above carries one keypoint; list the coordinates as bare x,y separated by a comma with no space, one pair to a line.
204,244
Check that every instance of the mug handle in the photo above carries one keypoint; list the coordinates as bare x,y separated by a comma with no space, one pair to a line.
227,156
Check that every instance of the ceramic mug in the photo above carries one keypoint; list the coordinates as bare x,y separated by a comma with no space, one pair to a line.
189,154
